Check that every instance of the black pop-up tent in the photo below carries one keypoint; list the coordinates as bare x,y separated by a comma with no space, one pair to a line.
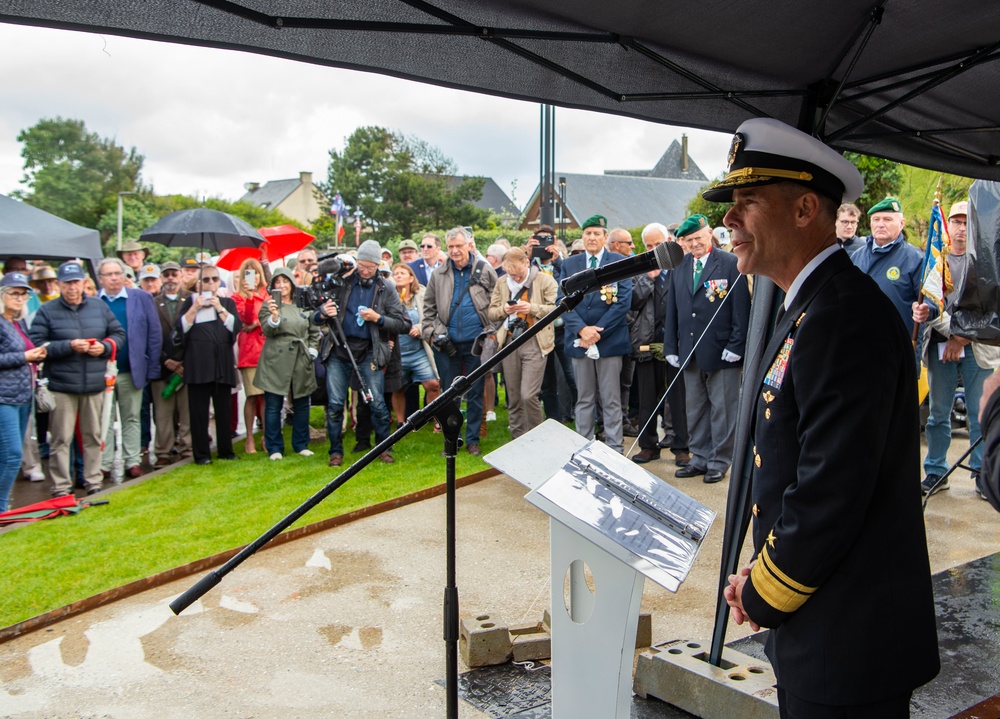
34,234
909,81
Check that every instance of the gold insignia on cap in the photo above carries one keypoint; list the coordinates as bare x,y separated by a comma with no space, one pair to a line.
756,510
738,140
767,396
895,206
771,539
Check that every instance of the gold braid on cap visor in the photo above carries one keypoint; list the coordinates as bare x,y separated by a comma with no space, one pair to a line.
754,174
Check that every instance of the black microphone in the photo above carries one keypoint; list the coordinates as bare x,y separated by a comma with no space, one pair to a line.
665,256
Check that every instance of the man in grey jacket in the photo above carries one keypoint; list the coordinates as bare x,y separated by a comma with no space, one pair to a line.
455,306
80,332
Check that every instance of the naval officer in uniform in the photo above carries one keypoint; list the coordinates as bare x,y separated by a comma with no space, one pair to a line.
840,555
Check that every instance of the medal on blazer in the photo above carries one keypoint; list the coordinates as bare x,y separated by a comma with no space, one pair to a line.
716,289
609,293
776,374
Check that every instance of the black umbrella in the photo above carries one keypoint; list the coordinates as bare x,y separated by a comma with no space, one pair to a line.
204,228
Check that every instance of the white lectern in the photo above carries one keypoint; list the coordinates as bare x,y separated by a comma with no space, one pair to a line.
624,524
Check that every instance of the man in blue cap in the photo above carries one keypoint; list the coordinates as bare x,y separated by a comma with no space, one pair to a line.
890,260
597,338
840,553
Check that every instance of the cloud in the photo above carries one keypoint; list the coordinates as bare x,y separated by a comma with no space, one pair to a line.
207,120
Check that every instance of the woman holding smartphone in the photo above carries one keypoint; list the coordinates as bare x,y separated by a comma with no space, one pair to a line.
286,365
250,295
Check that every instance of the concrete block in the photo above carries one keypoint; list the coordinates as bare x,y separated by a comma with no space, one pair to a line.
528,628
483,640
678,673
532,647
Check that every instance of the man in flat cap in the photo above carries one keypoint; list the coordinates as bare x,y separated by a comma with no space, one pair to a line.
708,310
890,260
840,554
134,255
946,355
597,338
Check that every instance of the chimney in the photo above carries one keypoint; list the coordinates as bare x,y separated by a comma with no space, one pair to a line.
251,186
306,178
684,153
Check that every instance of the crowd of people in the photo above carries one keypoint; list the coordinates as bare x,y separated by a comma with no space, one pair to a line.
657,357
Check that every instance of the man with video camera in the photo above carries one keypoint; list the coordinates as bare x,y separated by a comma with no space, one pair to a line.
455,305
362,313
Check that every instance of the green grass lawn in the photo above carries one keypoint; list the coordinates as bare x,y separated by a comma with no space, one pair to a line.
193,512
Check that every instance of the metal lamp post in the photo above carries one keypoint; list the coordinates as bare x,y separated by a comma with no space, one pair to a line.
120,195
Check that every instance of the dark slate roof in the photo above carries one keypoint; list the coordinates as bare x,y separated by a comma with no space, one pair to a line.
494,199
271,194
667,167
627,201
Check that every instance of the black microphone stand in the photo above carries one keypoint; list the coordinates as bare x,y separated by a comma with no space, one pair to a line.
446,410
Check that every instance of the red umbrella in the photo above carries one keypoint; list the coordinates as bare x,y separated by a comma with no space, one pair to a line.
48,509
284,240
232,258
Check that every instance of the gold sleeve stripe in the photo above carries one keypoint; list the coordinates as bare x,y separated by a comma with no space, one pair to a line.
775,587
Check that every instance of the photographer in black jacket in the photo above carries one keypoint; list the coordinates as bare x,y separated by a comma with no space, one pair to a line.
368,312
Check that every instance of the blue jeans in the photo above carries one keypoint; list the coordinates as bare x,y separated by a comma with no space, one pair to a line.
943,378
274,440
338,379
463,363
13,426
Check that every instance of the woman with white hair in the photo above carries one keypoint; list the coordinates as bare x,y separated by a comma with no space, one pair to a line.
17,352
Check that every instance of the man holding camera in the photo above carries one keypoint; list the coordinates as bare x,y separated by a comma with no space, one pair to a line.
455,312
369,311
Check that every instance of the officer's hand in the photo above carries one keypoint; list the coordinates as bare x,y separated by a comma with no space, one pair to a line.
590,334
656,348
728,356
674,361
734,597
920,312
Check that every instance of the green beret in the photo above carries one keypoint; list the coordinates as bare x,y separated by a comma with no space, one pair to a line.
408,245
691,225
889,204
595,221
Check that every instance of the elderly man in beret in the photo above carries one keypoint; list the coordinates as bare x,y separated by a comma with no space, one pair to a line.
840,553
597,337
946,355
708,310
890,260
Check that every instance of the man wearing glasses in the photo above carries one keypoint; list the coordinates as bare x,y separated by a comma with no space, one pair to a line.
138,359
430,246
848,216
78,331
173,422
203,339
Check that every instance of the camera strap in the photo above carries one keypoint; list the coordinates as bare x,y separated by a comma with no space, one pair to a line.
477,272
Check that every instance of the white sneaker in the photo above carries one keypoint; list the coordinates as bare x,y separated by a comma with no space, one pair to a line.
36,475
491,416
276,456
307,453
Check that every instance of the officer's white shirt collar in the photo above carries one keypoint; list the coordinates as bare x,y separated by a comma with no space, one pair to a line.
804,273
122,294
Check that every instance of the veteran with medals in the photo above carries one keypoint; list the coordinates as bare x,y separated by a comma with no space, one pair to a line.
697,321
840,555
597,338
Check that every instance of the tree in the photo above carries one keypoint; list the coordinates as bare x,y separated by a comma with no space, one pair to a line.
73,173
714,211
402,185
917,188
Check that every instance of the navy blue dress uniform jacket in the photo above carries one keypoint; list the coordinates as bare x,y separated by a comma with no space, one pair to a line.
899,272
594,311
689,312
841,575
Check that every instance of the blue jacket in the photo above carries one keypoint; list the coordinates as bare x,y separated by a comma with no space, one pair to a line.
594,311
898,273
144,336
58,323
690,310
421,270
15,375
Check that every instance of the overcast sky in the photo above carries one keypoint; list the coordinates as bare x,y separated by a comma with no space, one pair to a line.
208,121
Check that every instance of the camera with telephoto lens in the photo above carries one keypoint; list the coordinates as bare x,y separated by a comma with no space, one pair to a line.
517,327
330,274
443,343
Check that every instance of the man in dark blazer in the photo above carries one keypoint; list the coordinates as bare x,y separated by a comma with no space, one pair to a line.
596,338
708,310
173,423
430,246
840,550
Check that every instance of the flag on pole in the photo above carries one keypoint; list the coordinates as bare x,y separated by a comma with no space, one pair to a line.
337,206
937,282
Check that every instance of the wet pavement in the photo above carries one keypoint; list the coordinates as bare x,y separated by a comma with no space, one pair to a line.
347,622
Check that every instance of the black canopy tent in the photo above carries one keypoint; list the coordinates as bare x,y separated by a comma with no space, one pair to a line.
908,81
34,234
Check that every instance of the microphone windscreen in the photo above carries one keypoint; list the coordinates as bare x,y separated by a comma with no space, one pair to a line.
668,255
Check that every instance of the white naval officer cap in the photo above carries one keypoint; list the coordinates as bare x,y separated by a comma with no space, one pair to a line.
765,151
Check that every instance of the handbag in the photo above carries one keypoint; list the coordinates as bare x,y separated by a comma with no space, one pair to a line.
45,401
